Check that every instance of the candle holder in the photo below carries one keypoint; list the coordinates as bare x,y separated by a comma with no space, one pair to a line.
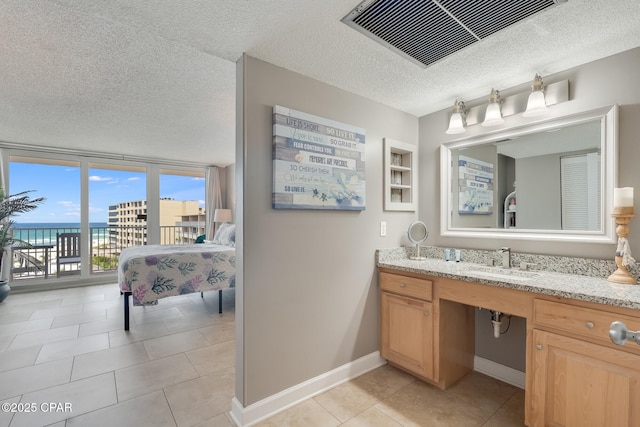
622,215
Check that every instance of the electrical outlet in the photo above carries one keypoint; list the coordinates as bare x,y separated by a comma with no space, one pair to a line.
383,228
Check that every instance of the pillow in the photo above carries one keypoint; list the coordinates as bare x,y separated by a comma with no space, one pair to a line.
200,238
226,235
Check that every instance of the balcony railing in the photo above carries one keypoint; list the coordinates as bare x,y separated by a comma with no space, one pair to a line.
39,259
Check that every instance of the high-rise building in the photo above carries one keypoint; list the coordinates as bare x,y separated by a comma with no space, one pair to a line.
190,227
128,221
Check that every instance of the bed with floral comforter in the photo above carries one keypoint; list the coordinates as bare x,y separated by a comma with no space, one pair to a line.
151,272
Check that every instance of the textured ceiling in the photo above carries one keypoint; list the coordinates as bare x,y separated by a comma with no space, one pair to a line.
158,78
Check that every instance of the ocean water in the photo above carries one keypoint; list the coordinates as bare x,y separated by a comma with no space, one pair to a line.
45,232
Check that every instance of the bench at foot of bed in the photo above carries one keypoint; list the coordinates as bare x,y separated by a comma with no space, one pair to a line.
126,306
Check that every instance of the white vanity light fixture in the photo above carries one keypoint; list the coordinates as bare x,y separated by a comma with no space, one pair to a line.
493,115
536,105
502,107
458,118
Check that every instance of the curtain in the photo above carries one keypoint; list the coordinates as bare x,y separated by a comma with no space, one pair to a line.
213,199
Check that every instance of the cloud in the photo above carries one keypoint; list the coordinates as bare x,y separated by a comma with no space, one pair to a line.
70,208
133,178
100,178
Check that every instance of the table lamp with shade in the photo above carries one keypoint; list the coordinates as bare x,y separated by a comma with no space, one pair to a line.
222,216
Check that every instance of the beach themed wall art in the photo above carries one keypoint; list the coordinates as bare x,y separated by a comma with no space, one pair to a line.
475,186
318,163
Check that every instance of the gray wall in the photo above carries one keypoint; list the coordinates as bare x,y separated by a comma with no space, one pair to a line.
608,81
510,348
538,192
307,300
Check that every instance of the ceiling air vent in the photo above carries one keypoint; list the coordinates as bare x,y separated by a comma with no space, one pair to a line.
426,31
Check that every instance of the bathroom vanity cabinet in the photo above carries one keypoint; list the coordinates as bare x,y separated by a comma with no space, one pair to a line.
575,375
422,336
579,377
407,327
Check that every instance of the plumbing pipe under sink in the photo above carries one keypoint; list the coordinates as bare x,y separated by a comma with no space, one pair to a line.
497,323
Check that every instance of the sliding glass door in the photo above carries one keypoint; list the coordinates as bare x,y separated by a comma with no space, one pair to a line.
182,203
36,253
98,207
117,212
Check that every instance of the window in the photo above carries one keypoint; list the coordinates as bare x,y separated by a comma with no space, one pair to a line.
59,182
112,204
580,177
111,228
182,203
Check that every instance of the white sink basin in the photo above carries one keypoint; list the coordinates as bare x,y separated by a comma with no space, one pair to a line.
502,273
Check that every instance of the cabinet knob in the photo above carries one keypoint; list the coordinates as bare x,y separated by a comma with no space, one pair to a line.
589,325
539,346
620,334
426,313
402,285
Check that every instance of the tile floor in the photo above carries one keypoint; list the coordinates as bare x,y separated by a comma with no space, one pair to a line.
388,397
175,367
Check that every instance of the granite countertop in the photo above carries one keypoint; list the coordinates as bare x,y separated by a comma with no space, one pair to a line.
574,286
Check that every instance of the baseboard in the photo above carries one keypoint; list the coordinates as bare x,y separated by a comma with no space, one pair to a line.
247,416
500,372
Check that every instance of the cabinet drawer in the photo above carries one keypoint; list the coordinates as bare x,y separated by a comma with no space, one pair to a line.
581,321
404,285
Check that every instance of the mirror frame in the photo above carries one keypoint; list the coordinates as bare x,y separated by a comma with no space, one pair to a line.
608,117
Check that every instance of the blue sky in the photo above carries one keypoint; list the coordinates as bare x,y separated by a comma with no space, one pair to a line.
61,187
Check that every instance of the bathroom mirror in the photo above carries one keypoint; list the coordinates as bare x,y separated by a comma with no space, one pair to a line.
417,234
551,180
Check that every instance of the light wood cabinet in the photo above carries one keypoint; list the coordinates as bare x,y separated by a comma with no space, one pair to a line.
433,340
575,375
578,383
579,377
407,333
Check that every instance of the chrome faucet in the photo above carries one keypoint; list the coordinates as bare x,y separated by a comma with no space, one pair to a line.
506,257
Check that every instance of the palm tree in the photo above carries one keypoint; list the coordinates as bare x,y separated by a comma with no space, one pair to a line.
11,205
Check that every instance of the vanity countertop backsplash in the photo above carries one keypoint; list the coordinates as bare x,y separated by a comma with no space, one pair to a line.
576,278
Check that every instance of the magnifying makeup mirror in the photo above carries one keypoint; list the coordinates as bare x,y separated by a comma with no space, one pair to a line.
417,234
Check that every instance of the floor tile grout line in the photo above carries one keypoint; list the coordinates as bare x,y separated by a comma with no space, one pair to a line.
164,393
500,407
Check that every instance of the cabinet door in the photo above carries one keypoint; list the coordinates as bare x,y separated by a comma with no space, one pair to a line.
580,384
406,328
